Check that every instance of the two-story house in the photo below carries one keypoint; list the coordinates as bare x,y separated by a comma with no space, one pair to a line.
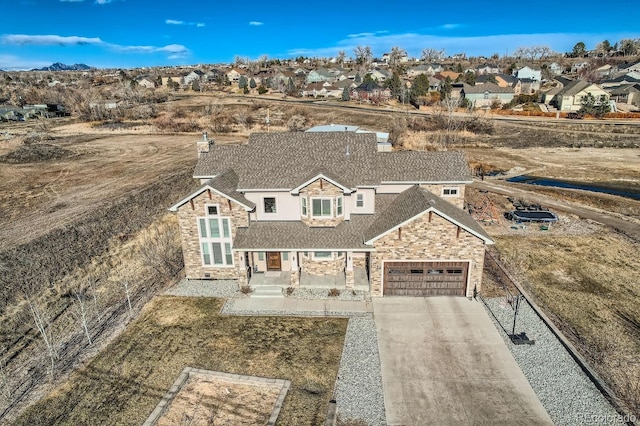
307,205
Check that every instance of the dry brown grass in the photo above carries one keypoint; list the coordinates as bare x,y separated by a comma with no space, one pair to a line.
589,284
123,383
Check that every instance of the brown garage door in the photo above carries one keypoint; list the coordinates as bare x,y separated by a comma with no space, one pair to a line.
425,278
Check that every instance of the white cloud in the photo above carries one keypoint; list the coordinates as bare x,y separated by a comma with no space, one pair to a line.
104,1
71,1
48,40
175,50
256,23
176,22
451,26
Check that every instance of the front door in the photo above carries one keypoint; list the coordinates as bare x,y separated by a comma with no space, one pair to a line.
273,261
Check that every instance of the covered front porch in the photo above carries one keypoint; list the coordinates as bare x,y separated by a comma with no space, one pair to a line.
306,280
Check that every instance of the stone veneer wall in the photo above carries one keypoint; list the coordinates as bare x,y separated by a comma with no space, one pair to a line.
457,201
328,190
422,240
322,267
187,218
359,261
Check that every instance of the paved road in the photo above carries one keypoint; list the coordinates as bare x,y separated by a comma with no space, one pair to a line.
628,227
444,363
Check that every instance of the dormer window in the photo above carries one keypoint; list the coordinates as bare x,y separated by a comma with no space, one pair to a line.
212,210
359,200
303,206
321,207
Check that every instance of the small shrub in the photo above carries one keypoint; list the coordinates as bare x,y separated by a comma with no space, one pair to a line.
289,291
245,289
334,292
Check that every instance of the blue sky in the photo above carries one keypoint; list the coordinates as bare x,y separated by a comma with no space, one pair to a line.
138,33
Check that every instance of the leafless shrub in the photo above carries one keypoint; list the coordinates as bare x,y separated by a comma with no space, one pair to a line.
161,250
141,112
334,292
398,130
296,123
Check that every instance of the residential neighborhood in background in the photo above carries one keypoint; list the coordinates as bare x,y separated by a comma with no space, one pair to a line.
532,81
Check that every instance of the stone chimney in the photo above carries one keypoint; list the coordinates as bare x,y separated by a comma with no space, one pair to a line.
204,144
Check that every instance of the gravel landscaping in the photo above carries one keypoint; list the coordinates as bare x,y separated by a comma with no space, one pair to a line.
359,394
323,293
564,389
206,288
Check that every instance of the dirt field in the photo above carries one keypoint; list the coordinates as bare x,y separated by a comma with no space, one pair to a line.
35,196
206,400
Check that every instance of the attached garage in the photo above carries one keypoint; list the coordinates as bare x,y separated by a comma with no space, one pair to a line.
425,278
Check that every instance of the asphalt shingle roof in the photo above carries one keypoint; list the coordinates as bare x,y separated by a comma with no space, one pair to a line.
411,203
285,160
487,87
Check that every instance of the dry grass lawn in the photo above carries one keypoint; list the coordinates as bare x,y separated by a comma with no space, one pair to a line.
590,285
123,384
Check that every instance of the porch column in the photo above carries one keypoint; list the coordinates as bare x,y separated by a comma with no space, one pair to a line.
349,275
295,269
240,258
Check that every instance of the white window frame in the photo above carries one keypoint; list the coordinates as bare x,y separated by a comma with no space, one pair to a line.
321,216
275,205
208,243
339,206
285,256
359,199
304,206
206,209
452,191
315,257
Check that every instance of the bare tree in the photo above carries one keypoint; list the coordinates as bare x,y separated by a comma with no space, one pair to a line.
82,312
396,55
91,282
432,55
43,326
125,284
448,121
363,55
533,53
341,57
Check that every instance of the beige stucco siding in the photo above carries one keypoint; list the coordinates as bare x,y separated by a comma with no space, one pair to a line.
287,205
422,240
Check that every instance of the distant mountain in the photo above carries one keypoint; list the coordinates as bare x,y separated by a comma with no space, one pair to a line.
62,67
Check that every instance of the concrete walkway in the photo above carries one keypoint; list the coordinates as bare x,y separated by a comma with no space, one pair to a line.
291,306
443,362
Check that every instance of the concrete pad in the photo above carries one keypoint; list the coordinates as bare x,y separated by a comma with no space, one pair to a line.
443,362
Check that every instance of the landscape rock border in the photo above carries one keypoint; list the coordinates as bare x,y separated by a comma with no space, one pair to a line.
164,404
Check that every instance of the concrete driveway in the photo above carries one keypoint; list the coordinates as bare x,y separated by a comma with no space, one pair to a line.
443,362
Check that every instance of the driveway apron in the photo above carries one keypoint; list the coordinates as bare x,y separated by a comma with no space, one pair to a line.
443,362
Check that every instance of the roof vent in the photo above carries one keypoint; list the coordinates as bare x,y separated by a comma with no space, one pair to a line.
347,153
432,201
